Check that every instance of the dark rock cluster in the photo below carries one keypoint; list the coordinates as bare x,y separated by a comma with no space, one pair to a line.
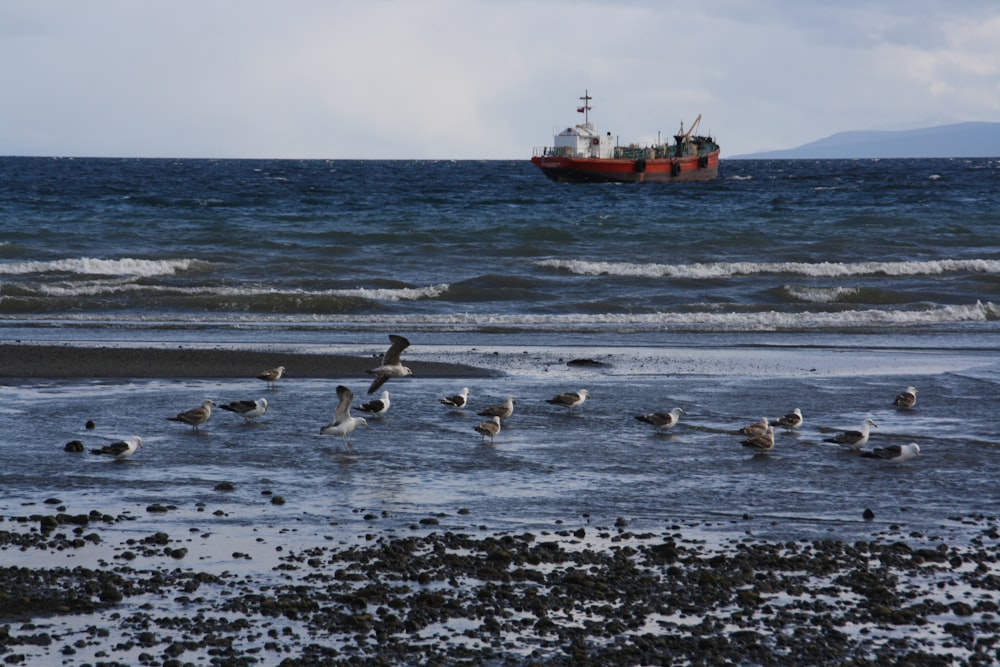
586,596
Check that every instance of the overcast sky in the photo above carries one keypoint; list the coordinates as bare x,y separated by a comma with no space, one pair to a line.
478,78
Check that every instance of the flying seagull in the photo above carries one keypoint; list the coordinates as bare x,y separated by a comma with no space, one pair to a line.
570,399
391,366
854,439
458,401
503,411
195,416
377,406
792,420
122,449
906,399
272,375
343,423
489,429
761,442
894,453
661,421
247,409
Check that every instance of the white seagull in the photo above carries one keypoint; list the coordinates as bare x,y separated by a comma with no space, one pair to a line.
458,401
894,453
792,420
570,399
906,399
489,428
756,428
247,409
661,421
503,411
391,366
122,449
761,442
272,375
343,423
377,406
854,439
195,416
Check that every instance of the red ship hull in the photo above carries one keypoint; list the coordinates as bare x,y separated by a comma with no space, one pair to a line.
690,168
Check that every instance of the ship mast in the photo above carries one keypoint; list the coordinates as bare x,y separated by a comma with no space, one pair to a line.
586,106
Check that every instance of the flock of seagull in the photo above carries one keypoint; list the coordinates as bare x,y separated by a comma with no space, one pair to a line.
759,435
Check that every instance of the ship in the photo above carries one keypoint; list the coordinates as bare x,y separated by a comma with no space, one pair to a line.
581,154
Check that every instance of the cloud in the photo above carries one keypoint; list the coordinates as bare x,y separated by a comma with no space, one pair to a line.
476,78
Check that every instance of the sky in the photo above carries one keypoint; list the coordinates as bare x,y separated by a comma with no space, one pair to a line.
479,79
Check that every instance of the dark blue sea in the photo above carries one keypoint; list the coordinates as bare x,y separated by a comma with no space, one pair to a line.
825,285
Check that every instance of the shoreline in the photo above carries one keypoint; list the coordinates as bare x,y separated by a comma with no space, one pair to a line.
69,361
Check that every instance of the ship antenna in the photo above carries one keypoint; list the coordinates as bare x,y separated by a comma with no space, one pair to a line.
586,106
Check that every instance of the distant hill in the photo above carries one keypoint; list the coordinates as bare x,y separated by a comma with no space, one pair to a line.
958,140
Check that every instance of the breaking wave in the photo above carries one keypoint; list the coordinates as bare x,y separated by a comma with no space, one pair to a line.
715,270
126,266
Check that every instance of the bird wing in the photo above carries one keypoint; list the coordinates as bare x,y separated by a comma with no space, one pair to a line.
379,380
391,356
343,410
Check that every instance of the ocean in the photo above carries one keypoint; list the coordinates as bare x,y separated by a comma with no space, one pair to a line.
824,285
829,286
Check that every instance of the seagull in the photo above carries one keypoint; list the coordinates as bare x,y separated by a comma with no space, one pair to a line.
195,416
571,399
489,428
272,375
661,421
792,420
756,428
391,366
503,411
122,449
854,439
761,442
894,453
247,409
343,423
906,399
377,406
458,401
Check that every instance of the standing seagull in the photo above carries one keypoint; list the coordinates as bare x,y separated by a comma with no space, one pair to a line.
121,449
489,429
854,439
906,399
343,423
502,411
272,375
661,421
761,442
756,428
458,401
894,453
391,366
792,420
377,406
247,409
195,416
571,399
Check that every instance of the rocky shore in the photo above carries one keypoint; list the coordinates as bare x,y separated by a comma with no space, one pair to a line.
590,595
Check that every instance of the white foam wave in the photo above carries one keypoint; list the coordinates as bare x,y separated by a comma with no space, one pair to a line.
821,294
106,287
762,321
126,266
715,270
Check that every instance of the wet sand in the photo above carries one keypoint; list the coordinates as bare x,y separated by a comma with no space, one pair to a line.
67,361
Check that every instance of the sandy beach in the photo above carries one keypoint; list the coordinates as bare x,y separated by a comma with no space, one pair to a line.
68,361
